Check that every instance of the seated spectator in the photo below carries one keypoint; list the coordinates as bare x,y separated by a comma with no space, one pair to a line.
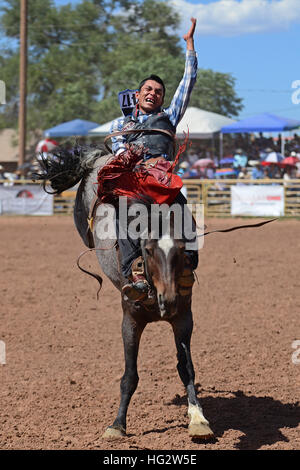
191,173
290,173
273,171
265,171
243,174
182,169
240,161
210,173
257,172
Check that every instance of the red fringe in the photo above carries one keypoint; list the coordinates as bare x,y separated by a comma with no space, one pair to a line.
182,148
123,176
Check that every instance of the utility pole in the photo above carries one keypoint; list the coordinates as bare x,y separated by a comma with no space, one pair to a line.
23,82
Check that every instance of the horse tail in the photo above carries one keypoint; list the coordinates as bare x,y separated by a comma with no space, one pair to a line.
66,167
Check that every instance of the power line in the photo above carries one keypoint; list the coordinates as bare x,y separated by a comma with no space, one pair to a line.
258,90
271,111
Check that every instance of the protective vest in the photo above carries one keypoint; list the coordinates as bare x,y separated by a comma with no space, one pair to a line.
156,143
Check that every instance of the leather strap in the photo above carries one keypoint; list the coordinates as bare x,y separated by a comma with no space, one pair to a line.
138,131
90,219
237,227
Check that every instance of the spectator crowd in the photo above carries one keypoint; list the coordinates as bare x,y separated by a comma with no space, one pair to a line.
245,157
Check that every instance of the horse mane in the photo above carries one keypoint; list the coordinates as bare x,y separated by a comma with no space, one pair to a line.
67,166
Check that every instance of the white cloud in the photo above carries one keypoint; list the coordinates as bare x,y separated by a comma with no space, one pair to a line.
236,17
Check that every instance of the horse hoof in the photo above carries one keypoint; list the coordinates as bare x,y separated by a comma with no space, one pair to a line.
200,431
114,433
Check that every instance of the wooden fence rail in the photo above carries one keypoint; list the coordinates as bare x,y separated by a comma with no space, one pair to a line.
215,195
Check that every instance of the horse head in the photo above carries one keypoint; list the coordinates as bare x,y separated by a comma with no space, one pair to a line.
164,261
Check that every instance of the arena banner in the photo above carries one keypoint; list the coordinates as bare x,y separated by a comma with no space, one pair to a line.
25,200
254,200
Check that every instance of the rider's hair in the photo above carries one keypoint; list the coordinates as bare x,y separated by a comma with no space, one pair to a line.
155,78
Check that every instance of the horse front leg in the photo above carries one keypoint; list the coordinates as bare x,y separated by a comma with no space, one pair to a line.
182,328
131,333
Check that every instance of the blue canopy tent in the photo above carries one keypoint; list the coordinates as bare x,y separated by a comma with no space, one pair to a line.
71,128
264,122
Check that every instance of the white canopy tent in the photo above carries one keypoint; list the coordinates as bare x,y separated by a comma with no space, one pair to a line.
199,123
203,124
102,130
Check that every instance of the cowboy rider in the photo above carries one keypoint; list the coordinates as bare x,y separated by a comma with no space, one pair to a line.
149,114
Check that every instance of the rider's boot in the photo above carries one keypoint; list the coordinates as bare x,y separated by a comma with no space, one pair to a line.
187,279
137,288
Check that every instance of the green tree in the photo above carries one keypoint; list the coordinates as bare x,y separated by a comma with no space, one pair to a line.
81,56
214,91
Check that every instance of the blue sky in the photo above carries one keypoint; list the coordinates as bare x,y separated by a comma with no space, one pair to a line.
257,41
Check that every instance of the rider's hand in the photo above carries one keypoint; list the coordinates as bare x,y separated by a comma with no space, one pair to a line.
132,154
189,37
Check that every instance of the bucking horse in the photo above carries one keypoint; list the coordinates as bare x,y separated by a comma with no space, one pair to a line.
164,263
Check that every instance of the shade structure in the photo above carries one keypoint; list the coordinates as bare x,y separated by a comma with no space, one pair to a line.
102,130
46,145
226,161
264,122
225,172
203,163
76,127
200,124
292,161
272,157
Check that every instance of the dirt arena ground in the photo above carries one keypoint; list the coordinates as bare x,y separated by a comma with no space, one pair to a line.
64,356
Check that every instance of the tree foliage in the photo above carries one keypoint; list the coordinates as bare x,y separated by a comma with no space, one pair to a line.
81,56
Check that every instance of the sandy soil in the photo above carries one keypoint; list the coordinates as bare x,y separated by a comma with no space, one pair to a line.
64,356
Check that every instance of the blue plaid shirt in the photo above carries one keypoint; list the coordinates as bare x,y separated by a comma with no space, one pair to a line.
176,109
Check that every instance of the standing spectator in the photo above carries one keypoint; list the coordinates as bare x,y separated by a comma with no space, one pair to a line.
240,161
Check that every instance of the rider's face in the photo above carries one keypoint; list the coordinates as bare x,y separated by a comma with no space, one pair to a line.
150,97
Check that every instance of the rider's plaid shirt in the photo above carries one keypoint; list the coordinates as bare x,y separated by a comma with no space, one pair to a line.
177,107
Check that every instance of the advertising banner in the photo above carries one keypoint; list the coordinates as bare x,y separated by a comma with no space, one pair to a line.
254,200
25,200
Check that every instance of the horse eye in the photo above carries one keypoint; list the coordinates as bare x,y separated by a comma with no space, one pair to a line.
148,251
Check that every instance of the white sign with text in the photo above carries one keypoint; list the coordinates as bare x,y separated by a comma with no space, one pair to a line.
254,200
25,200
